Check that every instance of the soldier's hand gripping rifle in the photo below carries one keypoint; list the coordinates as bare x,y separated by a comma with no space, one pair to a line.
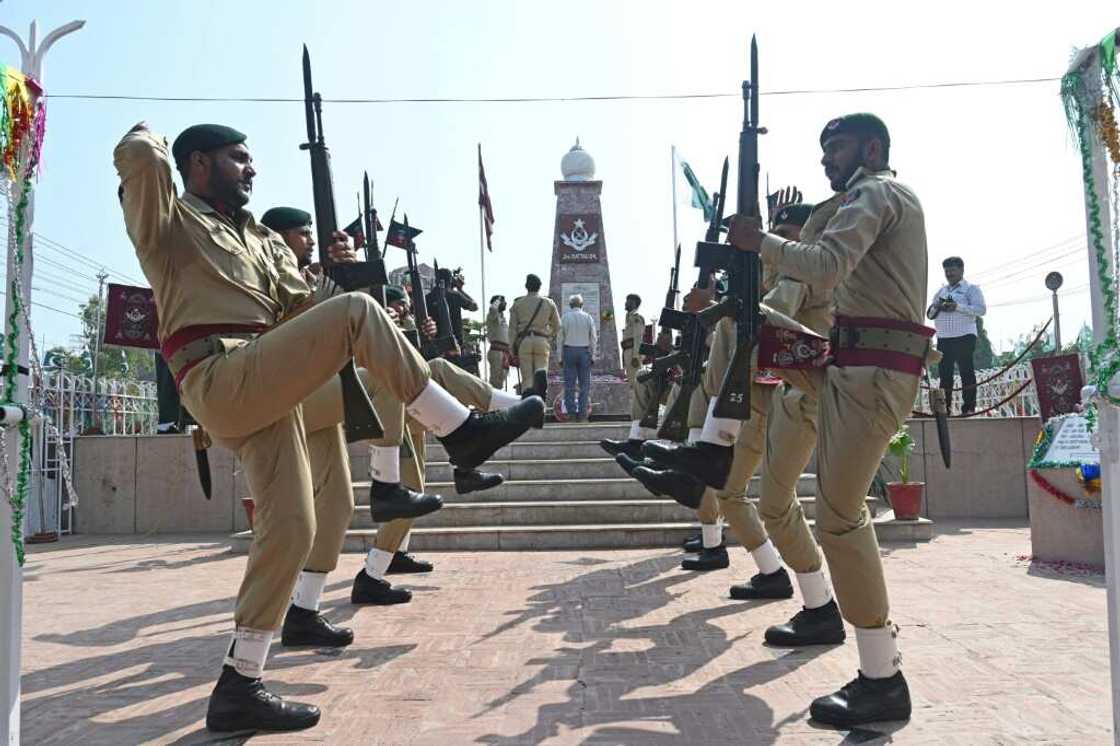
694,334
361,422
744,268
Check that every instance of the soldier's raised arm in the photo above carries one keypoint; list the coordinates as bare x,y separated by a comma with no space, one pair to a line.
147,188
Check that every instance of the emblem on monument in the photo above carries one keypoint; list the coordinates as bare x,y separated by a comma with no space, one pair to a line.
579,239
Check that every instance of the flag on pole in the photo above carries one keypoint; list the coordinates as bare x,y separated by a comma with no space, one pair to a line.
700,198
484,201
357,230
399,234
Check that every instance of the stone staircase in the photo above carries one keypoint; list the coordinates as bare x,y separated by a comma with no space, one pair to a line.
561,492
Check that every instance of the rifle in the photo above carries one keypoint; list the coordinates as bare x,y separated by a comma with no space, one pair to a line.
445,335
694,334
660,371
436,347
744,268
361,420
369,223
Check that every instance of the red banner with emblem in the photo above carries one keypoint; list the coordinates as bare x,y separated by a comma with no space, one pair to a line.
130,317
1058,381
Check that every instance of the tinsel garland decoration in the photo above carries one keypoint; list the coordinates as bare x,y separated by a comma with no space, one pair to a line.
1050,489
1106,129
22,120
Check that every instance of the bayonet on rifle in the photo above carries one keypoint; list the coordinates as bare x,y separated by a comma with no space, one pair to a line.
361,422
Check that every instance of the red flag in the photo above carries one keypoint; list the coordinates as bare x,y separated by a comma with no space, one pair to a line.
484,201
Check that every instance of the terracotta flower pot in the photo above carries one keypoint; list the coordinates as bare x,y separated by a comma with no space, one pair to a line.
906,499
250,506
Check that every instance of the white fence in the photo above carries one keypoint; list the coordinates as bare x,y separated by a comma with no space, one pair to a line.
1023,404
70,404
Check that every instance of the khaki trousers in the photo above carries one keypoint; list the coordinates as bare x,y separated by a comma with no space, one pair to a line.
739,513
533,355
860,409
469,390
250,409
496,360
791,435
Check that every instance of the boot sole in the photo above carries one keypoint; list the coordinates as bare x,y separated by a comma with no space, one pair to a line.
761,596
694,568
888,717
834,640
234,728
378,602
380,517
288,643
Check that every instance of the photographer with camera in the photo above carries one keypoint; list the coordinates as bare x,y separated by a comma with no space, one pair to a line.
955,308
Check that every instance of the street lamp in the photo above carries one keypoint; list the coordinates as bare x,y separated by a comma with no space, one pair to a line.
1053,282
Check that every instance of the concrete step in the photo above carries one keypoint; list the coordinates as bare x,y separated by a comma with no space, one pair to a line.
531,451
611,488
582,431
563,513
616,536
537,469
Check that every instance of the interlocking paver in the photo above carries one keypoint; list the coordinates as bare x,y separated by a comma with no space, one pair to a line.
123,639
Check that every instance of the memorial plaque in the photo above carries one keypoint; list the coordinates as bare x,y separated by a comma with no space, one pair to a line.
1072,443
578,238
590,293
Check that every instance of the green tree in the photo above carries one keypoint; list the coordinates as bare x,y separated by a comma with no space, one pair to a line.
112,361
983,356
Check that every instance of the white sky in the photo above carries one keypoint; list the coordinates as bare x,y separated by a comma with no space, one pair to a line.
994,166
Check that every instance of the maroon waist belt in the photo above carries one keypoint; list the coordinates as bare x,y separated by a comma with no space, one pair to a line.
884,343
189,346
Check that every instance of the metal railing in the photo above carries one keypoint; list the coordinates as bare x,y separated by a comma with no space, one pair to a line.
69,403
1023,404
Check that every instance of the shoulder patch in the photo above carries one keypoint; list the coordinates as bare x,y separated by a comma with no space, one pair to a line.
850,197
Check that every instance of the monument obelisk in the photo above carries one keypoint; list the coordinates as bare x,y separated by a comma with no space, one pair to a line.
579,265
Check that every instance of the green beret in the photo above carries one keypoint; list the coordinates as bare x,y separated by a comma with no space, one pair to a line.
204,137
793,214
285,218
860,125
394,294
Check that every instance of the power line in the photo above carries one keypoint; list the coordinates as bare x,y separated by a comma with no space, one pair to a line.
549,99
49,308
1034,257
50,243
1076,290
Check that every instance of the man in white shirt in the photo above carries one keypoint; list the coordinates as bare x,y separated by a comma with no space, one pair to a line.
578,339
954,309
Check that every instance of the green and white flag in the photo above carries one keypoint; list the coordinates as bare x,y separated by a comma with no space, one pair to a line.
700,198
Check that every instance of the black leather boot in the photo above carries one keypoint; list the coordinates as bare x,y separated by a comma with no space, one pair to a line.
682,486
388,502
629,464
693,544
473,480
863,700
540,384
403,562
631,447
376,592
709,559
241,704
706,461
774,585
820,626
482,434
306,627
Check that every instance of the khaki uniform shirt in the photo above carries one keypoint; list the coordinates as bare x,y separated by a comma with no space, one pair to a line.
634,330
872,253
809,304
497,328
547,321
204,268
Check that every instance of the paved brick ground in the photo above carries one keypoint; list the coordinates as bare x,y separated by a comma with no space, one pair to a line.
123,641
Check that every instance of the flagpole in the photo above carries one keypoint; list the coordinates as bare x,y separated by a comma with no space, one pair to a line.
483,347
673,173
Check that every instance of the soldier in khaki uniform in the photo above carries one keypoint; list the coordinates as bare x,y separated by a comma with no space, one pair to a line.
534,323
873,254
248,342
497,334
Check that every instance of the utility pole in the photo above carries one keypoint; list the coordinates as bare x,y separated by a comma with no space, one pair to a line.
102,275
11,574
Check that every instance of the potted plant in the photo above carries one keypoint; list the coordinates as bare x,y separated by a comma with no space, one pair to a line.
905,496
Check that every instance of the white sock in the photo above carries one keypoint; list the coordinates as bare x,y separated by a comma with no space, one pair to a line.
878,651
248,651
385,464
717,430
635,430
309,589
377,562
767,558
815,591
501,400
694,434
404,544
438,411
712,534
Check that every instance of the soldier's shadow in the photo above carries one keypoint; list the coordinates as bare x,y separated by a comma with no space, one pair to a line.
596,608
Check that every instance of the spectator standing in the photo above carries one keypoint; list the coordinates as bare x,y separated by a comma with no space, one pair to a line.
954,310
578,340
